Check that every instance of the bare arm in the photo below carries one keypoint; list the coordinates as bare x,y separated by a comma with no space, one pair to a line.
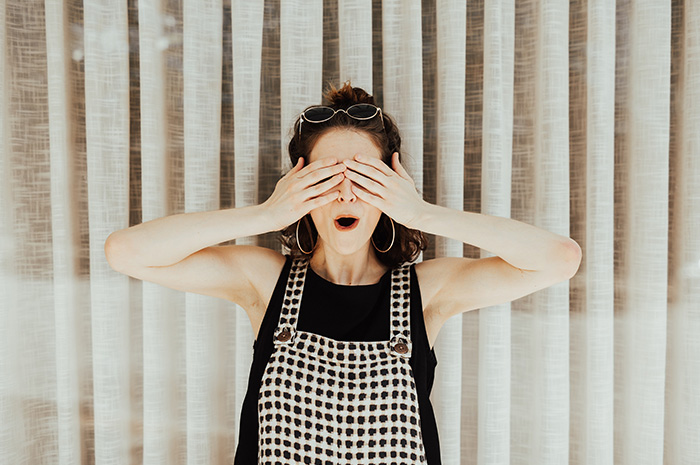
169,240
180,251
522,245
527,258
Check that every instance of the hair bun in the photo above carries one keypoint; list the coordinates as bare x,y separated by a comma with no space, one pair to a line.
346,96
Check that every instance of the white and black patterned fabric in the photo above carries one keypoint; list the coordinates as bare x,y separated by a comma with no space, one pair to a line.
323,401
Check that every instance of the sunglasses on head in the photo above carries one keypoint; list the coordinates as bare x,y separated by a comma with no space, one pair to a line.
321,114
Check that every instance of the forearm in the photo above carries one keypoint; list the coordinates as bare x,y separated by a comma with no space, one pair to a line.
522,245
166,241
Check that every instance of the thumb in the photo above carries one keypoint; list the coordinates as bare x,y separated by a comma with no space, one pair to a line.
296,168
398,167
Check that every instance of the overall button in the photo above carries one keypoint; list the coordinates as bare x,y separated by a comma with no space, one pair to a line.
284,336
401,348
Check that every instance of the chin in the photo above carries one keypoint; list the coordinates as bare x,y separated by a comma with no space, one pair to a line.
348,248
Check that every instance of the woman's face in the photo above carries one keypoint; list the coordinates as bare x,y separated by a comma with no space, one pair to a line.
346,224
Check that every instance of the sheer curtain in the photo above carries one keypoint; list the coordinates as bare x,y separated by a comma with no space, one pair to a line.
577,116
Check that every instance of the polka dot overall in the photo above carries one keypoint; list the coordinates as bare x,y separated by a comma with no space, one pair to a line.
324,401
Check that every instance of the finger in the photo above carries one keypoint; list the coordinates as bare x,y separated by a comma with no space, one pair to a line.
319,177
321,163
296,168
322,200
398,167
367,197
326,185
365,170
374,162
322,174
368,184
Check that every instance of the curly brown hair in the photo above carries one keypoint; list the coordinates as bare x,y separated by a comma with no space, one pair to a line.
408,243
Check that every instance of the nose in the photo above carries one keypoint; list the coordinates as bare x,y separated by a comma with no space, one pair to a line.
346,194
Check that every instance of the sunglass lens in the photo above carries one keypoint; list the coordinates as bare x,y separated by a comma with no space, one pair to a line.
362,111
318,114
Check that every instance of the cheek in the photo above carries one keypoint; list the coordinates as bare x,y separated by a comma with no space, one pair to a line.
373,218
318,216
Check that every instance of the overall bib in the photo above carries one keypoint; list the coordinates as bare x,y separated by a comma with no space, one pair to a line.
323,401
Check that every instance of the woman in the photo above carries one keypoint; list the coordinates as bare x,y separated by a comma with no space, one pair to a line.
343,362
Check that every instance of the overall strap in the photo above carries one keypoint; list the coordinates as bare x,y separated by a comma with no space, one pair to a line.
289,315
401,311
400,302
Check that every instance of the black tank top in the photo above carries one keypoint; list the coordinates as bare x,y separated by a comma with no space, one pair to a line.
360,313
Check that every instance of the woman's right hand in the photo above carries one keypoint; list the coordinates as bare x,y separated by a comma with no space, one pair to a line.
303,189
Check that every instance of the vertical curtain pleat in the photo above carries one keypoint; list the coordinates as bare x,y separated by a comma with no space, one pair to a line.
28,385
683,373
495,322
163,423
451,17
247,29
523,338
11,426
593,434
403,78
540,385
551,160
107,136
66,239
470,353
640,339
301,63
247,17
202,59
355,34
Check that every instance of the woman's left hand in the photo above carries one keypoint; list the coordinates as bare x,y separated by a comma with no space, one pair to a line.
391,191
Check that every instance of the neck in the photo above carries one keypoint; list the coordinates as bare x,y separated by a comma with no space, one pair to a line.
361,267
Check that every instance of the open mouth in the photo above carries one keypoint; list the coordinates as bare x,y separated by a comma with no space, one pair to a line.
346,223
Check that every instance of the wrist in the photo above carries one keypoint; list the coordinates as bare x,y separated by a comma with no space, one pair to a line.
424,214
266,218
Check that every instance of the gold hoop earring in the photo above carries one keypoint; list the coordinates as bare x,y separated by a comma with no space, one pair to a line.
299,243
393,236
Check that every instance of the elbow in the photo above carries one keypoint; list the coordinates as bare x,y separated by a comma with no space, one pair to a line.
569,259
116,252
